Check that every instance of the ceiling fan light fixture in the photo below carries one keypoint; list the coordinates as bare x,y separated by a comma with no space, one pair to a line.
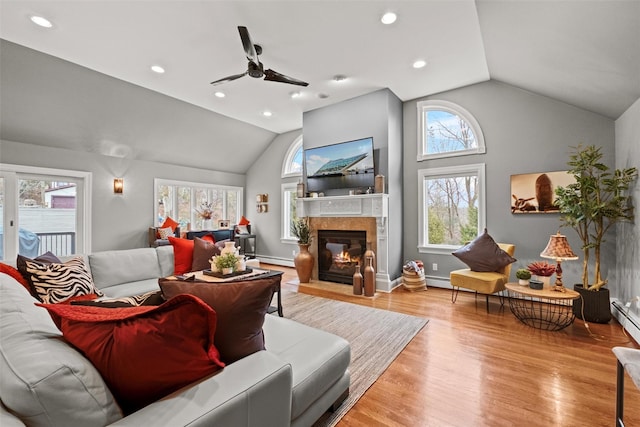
388,18
323,95
41,21
420,63
220,94
157,69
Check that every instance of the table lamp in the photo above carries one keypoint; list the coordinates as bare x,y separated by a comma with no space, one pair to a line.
558,248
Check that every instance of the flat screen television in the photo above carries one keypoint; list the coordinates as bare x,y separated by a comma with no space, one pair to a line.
343,165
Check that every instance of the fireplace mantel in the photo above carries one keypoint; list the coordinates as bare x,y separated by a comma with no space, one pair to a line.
355,206
360,205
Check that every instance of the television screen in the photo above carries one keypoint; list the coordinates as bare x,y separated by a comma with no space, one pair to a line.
344,165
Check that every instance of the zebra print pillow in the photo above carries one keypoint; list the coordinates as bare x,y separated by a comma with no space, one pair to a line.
57,282
149,298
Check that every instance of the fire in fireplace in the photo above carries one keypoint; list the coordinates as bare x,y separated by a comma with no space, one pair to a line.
339,252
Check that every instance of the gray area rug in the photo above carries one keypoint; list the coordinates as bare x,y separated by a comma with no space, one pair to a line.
376,337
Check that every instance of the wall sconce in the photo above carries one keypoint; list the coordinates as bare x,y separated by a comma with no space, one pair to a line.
118,185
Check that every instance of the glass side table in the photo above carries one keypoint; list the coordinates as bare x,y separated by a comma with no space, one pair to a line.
247,244
542,308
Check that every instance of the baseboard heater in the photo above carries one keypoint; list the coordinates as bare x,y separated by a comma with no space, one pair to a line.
627,318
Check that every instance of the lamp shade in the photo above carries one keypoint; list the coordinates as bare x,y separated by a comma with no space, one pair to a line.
558,248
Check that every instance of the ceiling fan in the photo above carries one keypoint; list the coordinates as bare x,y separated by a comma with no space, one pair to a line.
255,67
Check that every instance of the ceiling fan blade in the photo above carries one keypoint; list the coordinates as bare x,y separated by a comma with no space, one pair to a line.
275,76
247,44
228,79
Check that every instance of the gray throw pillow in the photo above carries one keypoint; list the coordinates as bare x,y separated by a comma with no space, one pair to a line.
483,254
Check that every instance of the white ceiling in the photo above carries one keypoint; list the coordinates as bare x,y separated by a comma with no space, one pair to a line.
586,53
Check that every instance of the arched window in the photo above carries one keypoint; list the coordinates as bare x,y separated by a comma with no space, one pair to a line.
446,129
292,165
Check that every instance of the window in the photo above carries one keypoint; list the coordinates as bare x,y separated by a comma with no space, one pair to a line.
451,206
42,210
446,129
292,165
289,200
183,200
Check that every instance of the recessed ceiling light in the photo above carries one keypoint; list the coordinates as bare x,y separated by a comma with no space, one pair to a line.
220,94
157,69
295,94
388,18
323,96
267,113
339,78
43,22
419,63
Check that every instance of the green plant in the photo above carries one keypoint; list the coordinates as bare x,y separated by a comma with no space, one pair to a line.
226,261
523,274
595,202
301,230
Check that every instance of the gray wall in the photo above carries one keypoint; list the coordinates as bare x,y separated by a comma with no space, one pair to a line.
524,133
118,221
379,115
264,176
51,102
627,285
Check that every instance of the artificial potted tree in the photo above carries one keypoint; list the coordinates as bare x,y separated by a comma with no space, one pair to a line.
597,200
303,261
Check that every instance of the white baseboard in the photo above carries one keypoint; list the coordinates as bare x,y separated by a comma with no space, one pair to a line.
627,318
276,261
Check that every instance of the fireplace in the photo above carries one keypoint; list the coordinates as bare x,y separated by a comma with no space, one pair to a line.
339,251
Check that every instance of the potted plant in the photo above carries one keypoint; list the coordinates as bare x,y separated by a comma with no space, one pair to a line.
591,206
226,263
523,276
303,261
543,271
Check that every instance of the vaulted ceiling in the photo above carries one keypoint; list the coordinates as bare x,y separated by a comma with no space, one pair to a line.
585,53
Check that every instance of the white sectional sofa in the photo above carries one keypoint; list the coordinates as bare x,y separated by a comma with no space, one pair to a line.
46,382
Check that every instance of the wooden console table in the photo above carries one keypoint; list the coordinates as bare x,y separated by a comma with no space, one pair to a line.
542,308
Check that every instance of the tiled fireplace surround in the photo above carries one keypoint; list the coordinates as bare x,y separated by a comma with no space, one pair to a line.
368,212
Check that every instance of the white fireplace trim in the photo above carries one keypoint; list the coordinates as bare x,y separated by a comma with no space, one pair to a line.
358,206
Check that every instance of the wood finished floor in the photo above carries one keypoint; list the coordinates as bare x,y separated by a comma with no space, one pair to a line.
468,368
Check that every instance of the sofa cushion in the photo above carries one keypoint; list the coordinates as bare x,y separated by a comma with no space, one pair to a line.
240,306
182,254
57,282
144,353
318,359
36,364
164,233
9,270
483,254
110,268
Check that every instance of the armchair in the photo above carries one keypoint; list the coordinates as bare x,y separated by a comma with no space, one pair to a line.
154,241
484,282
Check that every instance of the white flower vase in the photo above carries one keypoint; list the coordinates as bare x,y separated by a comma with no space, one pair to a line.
207,224
241,264
214,268
229,248
546,280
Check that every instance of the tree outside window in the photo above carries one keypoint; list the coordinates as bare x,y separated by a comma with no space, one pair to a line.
451,206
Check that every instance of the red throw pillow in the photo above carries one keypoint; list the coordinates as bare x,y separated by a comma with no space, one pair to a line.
209,238
143,353
169,222
243,221
182,254
240,308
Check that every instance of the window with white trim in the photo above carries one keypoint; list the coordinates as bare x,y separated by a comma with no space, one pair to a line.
185,201
292,165
446,129
289,200
451,206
